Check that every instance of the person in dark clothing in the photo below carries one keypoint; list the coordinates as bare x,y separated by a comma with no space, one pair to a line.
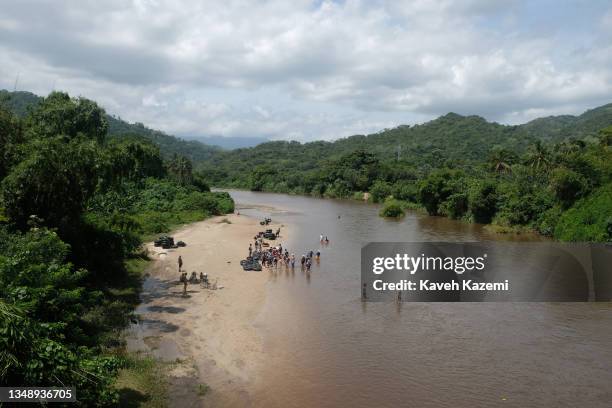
184,280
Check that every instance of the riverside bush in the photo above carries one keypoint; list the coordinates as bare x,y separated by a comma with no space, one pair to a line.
392,209
589,220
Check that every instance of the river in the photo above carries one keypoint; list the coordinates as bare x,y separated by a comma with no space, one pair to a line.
326,348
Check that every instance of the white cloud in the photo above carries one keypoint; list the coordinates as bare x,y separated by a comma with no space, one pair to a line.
310,69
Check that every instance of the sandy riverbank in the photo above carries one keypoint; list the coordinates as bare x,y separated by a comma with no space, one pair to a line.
211,330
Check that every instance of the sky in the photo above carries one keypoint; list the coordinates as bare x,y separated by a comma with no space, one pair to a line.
310,70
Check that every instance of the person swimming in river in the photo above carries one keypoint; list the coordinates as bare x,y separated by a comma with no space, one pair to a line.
318,254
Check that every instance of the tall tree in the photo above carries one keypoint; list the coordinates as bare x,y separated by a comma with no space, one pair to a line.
538,156
181,169
59,114
53,182
10,136
501,161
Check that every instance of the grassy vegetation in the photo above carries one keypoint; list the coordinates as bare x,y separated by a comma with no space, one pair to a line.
142,382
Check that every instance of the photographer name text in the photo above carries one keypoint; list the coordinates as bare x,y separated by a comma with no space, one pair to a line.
429,286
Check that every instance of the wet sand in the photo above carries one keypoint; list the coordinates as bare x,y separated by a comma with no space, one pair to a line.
211,332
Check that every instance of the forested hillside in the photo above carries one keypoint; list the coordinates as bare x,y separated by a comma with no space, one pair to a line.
450,140
540,175
20,102
551,175
75,206
558,128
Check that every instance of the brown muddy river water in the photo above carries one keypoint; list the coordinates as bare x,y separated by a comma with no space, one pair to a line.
326,348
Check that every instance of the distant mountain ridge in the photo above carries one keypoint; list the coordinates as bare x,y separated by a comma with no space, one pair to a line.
556,128
449,137
451,140
231,142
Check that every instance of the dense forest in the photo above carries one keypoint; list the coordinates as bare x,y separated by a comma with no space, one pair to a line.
75,205
551,175
21,102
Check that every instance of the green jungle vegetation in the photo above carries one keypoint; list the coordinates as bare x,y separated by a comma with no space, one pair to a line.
552,175
21,102
80,190
75,206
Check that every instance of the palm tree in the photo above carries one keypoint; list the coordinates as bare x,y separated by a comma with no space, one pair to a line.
605,137
501,161
538,157
181,168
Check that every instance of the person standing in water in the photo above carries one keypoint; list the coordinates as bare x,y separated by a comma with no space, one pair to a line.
180,263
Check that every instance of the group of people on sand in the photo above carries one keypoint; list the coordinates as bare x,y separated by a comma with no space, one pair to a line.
273,257
277,256
270,257
203,280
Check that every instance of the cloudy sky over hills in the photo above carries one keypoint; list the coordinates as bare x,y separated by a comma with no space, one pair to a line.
311,69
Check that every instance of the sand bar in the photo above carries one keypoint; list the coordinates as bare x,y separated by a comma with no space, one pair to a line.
212,331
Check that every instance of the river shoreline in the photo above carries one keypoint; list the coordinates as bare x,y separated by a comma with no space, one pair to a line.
417,210
313,342
211,333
